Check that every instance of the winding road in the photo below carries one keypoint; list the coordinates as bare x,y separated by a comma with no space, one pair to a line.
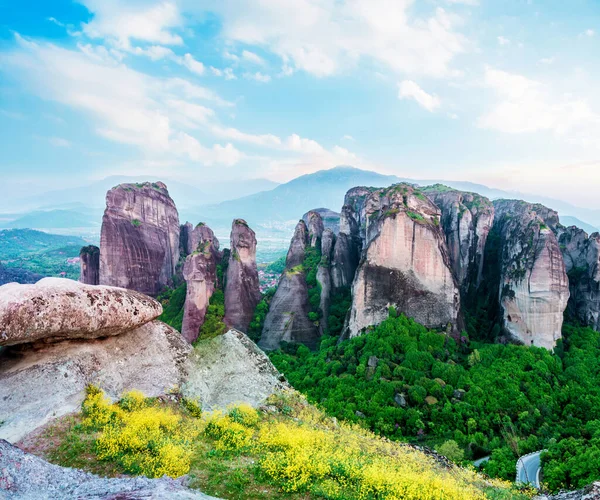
528,469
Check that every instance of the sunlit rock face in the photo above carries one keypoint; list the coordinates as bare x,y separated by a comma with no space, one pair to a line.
287,319
534,288
466,220
582,260
242,291
89,260
139,242
405,261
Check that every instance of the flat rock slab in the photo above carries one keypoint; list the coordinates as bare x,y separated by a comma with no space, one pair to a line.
58,308
230,369
28,477
39,382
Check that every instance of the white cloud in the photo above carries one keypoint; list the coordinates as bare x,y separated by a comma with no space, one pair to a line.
253,58
229,75
324,37
122,22
216,71
15,115
589,32
194,66
503,40
258,76
524,105
547,60
408,89
55,21
348,138
155,52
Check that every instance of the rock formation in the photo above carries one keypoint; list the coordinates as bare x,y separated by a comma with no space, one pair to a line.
24,476
40,382
242,292
287,319
139,242
230,369
534,288
582,260
405,261
324,277
57,308
192,237
315,228
331,219
200,274
89,260
346,252
466,220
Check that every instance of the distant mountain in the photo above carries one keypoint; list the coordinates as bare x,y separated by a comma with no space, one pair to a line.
17,243
574,221
55,219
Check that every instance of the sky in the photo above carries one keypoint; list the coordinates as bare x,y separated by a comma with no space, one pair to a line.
499,92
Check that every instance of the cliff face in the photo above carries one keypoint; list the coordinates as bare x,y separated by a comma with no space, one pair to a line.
405,262
346,253
534,288
287,319
200,275
194,236
582,261
324,279
331,219
242,291
139,242
89,259
466,220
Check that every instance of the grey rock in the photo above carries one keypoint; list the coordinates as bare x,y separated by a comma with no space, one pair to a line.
591,492
41,381
315,228
373,361
360,414
89,261
59,308
26,477
459,394
400,400
331,219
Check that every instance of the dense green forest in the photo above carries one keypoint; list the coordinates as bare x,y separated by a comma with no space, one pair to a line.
467,399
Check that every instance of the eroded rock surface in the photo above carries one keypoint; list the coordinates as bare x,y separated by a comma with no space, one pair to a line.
230,369
582,261
242,292
195,238
346,252
405,261
89,260
331,219
58,308
41,381
466,220
534,288
287,319
26,477
139,241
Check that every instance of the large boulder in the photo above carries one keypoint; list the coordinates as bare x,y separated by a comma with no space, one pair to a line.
41,381
242,292
405,261
534,288
57,308
26,477
287,319
139,241
230,369
466,220
582,262
89,260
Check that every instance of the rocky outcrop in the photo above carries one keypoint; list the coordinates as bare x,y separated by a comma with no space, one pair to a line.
346,252
200,275
590,492
315,228
466,220
582,262
89,260
24,476
194,238
405,261
287,319
324,277
230,369
331,219
534,287
242,292
57,308
39,382
139,242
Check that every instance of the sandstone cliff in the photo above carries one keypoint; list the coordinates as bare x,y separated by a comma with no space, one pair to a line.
534,288
405,261
582,261
287,319
89,260
200,275
346,253
466,220
242,291
139,242
331,219
192,237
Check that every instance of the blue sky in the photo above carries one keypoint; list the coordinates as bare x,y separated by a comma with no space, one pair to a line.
498,92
